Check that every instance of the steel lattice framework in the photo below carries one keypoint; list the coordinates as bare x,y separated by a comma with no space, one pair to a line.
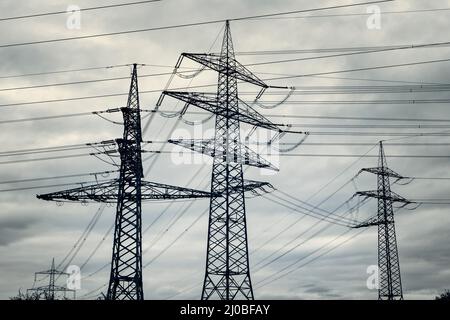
390,284
227,275
128,191
50,291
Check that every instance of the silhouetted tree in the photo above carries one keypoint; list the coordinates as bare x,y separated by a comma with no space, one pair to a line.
444,296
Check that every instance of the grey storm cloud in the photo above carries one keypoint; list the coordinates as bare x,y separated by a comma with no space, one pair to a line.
32,232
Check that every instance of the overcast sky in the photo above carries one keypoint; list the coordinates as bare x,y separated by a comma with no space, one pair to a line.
32,232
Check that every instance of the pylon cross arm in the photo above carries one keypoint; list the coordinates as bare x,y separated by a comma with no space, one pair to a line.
234,68
384,171
106,192
374,194
244,155
210,103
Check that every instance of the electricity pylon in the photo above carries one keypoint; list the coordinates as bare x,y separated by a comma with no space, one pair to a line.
390,284
50,291
227,275
127,191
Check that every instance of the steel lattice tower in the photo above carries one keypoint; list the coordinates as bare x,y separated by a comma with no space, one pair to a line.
127,191
227,271
227,274
50,291
126,267
390,284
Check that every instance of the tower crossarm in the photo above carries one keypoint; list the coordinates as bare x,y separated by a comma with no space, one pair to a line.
106,192
257,186
233,69
372,221
54,288
245,156
209,102
393,197
384,171
158,191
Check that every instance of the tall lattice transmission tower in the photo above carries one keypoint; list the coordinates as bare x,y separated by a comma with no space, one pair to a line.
227,274
52,291
127,191
390,283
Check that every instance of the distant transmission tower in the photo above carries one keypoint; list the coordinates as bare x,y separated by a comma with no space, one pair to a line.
390,283
227,275
50,291
127,191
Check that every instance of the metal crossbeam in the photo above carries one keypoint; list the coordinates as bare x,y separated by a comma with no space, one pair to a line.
211,103
106,192
231,67
245,156
385,172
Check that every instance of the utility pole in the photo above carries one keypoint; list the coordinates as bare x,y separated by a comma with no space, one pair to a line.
50,291
127,191
390,284
227,274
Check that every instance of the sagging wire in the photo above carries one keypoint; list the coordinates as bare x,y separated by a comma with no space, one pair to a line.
261,190
113,163
158,104
191,76
406,204
408,181
277,104
104,118
180,114
104,145
197,122
295,146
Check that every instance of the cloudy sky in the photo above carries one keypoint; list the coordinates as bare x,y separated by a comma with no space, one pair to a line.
32,232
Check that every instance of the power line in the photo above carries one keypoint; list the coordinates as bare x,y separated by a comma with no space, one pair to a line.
50,186
101,173
363,14
262,284
428,45
325,50
322,155
432,87
62,71
422,87
35,15
83,82
321,219
85,69
70,256
51,158
360,69
185,25
69,146
293,116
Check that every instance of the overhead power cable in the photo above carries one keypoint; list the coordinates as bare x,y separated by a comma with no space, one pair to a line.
212,85
101,173
293,116
43,14
361,14
327,50
428,45
98,35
